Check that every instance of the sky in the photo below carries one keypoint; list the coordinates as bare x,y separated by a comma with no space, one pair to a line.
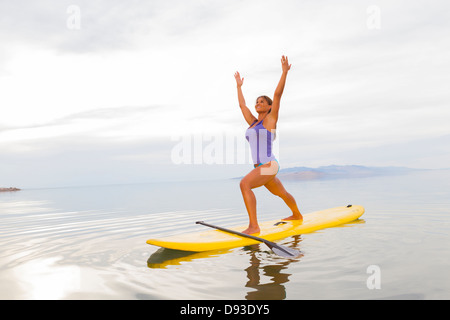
106,92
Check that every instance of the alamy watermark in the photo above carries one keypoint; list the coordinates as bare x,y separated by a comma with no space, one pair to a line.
374,280
220,148
73,21
373,21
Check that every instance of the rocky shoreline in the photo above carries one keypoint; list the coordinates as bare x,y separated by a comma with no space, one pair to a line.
9,189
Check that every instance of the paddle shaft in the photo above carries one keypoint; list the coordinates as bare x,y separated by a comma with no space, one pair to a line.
233,232
276,248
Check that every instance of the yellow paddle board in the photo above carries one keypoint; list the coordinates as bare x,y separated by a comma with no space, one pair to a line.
270,230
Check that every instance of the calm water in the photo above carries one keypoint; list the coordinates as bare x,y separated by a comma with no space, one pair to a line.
89,243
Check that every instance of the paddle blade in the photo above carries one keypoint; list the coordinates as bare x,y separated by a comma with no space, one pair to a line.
284,251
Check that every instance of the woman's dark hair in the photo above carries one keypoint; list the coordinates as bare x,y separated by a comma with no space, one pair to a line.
269,101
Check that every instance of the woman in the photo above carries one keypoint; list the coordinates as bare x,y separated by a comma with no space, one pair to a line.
260,135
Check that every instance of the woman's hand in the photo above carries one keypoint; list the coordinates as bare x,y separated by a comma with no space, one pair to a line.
285,64
239,81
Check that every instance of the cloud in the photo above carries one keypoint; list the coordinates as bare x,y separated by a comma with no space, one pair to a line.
138,72
103,24
123,123
80,160
107,25
96,114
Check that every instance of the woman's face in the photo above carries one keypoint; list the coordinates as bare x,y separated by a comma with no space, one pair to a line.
262,105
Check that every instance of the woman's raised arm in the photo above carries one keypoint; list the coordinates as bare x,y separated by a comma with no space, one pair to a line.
280,87
249,117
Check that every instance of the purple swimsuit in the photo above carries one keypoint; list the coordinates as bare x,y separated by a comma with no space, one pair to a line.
260,140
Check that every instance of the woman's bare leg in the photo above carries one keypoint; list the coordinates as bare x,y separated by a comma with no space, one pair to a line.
253,180
276,187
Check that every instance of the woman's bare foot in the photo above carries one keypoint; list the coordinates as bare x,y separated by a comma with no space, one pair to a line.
294,217
251,230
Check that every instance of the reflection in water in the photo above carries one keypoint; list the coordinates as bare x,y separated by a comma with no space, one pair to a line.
273,290
168,257
271,266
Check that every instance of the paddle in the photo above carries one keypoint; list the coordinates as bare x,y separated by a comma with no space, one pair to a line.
276,248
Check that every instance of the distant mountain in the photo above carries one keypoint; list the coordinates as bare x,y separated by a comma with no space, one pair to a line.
337,172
